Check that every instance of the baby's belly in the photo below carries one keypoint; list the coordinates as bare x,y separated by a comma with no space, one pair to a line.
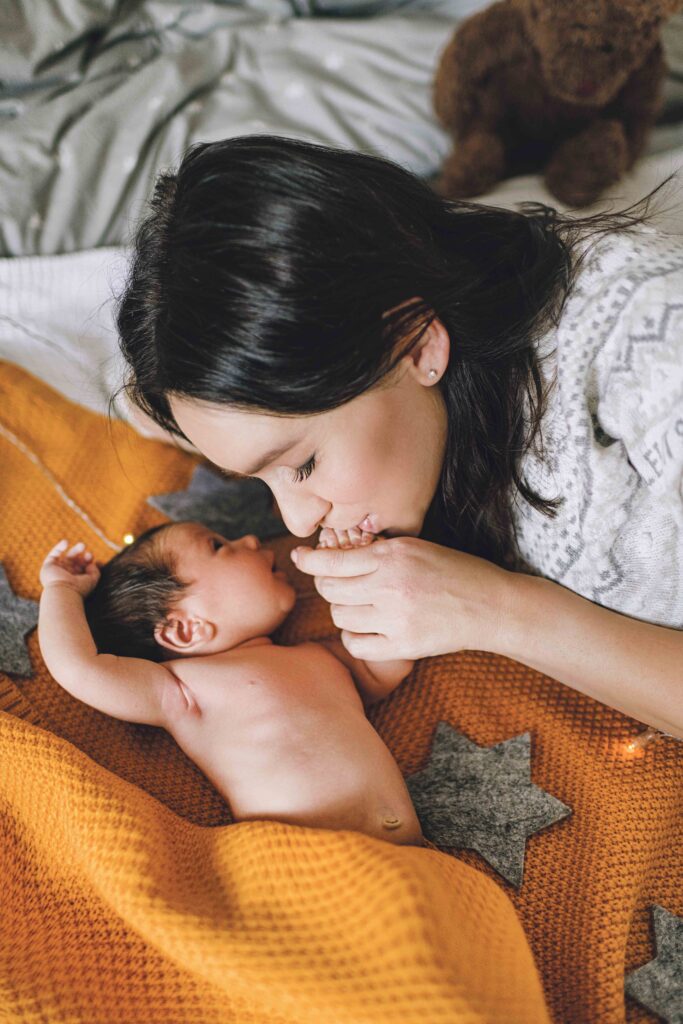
336,775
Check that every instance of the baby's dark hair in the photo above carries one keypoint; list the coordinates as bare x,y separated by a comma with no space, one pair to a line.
135,592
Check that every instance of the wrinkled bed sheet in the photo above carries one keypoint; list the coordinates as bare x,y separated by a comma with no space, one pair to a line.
98,95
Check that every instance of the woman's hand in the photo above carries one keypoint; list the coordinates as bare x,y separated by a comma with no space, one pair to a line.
73,567
407,598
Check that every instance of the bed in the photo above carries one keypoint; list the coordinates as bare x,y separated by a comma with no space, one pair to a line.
128,894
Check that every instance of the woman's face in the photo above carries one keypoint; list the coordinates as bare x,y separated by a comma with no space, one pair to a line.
374,462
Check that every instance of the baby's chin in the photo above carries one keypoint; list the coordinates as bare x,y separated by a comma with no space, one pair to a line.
286,597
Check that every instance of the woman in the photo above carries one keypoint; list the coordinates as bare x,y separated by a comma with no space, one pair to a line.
476,385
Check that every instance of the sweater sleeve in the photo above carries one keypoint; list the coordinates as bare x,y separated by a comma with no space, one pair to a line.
613,434
638,377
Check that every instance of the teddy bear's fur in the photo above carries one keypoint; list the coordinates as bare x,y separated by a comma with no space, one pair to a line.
569,86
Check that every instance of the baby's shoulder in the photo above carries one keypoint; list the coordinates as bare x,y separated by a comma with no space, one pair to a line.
313,651
280,664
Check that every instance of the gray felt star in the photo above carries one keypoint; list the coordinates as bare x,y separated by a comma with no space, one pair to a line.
482,798
658,985
231,507
18,616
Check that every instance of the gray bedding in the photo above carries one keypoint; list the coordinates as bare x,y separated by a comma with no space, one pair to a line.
98,95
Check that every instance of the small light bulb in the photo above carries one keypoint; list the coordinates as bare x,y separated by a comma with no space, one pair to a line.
128,538
642,740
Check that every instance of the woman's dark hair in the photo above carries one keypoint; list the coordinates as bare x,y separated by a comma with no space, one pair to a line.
264,278
134,594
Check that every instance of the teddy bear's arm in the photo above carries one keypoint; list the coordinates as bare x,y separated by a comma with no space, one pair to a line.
639,102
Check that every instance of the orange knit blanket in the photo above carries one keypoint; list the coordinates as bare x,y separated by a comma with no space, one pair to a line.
127,895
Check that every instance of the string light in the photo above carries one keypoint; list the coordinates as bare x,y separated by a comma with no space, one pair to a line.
642,740
128,538
636,746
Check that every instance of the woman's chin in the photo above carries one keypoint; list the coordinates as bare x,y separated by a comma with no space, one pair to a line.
398,531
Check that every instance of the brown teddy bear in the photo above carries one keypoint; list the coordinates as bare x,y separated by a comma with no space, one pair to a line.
571,86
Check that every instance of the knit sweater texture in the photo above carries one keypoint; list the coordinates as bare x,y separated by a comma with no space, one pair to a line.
612,434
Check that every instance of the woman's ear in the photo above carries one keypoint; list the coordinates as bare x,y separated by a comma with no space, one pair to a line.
184,634
428,359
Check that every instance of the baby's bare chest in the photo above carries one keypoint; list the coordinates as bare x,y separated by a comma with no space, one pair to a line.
266,696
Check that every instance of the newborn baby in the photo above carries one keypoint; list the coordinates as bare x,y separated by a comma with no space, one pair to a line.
174,632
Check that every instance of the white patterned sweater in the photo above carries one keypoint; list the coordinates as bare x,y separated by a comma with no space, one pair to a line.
613,433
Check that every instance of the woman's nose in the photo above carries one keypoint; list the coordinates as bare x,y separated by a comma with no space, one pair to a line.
301,513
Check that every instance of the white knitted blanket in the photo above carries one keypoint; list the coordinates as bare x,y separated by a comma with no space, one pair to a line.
613,433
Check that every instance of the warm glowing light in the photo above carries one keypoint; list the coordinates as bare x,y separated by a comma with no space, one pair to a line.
638,743
128,538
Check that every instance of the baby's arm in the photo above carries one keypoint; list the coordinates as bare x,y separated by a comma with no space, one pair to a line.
129,688
375,679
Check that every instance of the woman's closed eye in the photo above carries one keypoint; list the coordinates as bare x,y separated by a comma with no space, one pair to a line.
303,472
217,543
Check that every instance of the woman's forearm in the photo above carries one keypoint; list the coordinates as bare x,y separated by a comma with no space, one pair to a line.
627,664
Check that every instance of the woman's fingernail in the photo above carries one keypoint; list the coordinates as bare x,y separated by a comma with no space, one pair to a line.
295,555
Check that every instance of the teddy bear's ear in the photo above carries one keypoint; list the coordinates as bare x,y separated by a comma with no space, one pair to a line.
646,10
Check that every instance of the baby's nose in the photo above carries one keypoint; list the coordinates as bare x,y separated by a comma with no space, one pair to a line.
251,541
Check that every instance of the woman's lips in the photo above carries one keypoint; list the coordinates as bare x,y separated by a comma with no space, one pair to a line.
369,524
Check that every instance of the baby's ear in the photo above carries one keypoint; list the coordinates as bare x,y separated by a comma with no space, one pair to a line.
184,634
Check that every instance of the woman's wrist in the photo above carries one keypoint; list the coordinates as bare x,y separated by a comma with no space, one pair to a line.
520,614
625,663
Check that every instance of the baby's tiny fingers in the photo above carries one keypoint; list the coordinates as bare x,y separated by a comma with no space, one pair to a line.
76,548
327,538
58,549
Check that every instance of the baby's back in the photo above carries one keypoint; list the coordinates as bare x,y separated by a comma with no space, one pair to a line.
282,734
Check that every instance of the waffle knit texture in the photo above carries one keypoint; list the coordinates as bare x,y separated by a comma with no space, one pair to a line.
129,897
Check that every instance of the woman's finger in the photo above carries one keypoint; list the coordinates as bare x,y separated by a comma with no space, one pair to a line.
358,619
352,590
368,646
335,562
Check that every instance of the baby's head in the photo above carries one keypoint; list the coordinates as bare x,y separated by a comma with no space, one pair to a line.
181,589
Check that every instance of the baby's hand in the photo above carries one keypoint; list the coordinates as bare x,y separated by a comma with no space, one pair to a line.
74,568
353,538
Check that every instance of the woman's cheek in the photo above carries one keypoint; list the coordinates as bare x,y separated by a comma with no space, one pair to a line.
355,482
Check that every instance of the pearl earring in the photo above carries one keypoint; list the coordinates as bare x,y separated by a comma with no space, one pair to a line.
433,374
